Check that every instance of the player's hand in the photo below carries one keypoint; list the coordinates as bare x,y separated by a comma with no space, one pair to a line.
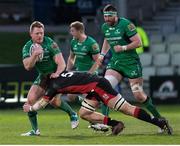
26,107
54,75
37,49
100,60
118,48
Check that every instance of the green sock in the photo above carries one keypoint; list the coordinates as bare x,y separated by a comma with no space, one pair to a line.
66,108
79,100
104,109
149,105
33,119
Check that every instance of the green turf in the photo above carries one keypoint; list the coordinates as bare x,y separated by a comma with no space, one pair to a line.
55,129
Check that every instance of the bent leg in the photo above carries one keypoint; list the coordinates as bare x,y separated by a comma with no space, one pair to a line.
137,89
34,94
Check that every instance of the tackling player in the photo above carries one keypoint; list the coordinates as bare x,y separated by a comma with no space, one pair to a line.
97,89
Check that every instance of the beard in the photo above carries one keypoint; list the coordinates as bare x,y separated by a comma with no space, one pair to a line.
111,23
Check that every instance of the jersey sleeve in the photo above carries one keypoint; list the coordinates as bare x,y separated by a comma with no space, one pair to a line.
103,29
94,49
130,28
26,51
54,48
71,44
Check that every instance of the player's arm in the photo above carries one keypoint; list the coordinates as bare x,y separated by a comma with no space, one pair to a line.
61,65
29,62
105,48
135,43
135,40
70,62
42,103
99,60
94,66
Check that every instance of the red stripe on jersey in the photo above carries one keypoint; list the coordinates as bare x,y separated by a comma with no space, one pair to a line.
79,88
104,95
136,112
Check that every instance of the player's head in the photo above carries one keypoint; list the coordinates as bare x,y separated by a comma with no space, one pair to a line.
110,14
76,29
36,31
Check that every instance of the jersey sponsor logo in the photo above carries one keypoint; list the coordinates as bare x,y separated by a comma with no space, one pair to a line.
84,48
131,27
114,38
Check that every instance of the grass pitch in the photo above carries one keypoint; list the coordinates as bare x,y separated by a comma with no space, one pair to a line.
55,129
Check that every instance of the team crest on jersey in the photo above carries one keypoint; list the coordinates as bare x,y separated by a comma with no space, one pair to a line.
95,46
54,45
131,27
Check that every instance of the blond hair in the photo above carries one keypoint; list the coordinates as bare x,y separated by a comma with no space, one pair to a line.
36,24
79,26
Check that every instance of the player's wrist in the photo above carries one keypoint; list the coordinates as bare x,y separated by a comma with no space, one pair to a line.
31,108
124,48
103,54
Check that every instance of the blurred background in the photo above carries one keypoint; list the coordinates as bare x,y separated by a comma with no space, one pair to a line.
159,19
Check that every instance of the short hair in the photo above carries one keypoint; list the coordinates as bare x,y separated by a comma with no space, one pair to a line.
36,24
109,7
78,26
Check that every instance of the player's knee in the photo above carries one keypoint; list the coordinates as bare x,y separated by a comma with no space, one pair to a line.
31,101
84,114
86,110
55,102
71,98
128,109
136,87
140,97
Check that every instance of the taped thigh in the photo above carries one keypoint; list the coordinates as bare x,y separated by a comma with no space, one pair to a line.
119,103
87,106
113,81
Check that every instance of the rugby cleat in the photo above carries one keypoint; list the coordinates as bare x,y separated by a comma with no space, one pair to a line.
99,127
74,120
165,126
117,128
32,133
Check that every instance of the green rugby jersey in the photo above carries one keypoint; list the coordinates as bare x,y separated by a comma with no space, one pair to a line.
47,64
119,34
83,52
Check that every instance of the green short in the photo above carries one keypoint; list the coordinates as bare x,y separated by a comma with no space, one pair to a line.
131,69
42,80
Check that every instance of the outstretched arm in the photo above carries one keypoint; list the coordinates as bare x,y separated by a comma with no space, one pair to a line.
37,106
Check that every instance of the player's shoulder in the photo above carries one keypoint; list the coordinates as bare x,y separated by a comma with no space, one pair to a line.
91,39
48,39
124,21
104,26
73,40
28,44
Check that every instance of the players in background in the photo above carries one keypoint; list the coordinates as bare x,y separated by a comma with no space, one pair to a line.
120,36
83,54
97,89
44,54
